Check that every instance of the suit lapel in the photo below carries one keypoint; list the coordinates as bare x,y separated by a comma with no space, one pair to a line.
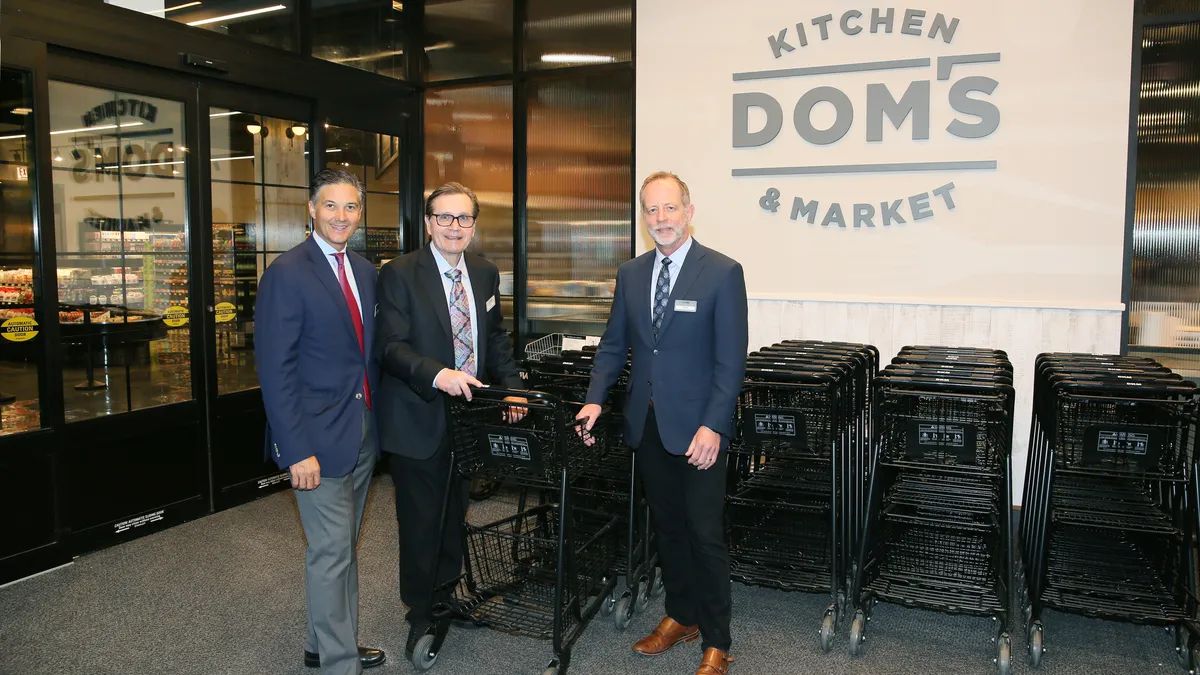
431,282
481,290
325,274
688,274
641,300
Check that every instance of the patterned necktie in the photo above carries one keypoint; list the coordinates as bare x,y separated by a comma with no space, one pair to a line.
355,318
661,293
460,324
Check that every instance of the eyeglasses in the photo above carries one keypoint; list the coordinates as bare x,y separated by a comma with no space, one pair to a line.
447,219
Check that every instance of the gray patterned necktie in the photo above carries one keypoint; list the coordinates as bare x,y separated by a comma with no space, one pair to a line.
661,292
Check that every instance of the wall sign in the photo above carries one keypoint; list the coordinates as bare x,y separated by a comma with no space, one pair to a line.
123,107
955,153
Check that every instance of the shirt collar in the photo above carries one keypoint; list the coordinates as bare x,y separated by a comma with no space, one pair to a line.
677,257
444,266
326,247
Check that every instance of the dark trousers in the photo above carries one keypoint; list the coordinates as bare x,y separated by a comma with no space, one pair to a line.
427,560
687,512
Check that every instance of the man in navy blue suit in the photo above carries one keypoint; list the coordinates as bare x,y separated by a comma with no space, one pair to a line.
314,323
682,309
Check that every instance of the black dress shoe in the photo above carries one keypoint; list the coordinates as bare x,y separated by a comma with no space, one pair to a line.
368,657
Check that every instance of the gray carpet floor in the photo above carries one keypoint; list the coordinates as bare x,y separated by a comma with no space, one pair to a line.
225,595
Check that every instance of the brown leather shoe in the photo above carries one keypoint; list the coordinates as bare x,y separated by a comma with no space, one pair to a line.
715,662
668,634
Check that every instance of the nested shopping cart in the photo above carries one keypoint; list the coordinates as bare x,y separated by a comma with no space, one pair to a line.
787,512
541,572
938,532
1110,518
610,485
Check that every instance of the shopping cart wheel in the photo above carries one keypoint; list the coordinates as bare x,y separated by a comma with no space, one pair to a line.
643,594
857,629
1182,650
1004,654
555,668
425,654
827,632
623,613
606,607
656,588
1036,646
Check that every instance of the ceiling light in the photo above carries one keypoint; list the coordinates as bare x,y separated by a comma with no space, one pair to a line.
76,154
57,155
99,128
576,58
229,159
186,4
237,15
227,113
254,127
9,138
22,111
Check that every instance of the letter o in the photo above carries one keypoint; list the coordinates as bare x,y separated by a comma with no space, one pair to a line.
802,117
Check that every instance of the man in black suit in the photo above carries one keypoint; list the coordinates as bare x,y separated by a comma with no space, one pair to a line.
439,334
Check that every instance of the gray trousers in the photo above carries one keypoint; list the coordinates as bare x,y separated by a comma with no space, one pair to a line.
332,516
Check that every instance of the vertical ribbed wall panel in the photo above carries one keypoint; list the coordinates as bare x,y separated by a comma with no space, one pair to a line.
1165,289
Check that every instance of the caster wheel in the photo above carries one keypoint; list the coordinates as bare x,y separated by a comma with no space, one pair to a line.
606,607
550,670
827,633
857,628
1004,655
623,613
1195,659
1029,616
841,603
1036,645
656,588
643,594
423,656
1182,652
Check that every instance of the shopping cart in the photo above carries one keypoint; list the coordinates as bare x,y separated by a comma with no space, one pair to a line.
792,467
541,572
938,530
1110,515
610,485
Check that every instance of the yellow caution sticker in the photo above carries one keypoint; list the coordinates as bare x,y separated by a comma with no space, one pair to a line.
226,312
175,316
19,329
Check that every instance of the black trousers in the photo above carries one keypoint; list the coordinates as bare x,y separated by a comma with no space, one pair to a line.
687,512
427,560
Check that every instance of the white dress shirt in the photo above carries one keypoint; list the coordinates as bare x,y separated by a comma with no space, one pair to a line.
330,257
448,286
673,271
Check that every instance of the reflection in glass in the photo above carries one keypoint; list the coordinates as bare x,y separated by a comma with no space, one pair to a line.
580,149
121,220
268,22
260,209
375,159
469,139
467,38
367,36
20,357
1164,316
581,32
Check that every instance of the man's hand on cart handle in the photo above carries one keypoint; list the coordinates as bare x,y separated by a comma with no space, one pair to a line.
589,412
455,382
515,413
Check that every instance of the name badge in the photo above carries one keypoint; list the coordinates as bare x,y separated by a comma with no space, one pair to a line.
491,303
685,305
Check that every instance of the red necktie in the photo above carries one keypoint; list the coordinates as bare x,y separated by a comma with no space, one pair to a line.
356,319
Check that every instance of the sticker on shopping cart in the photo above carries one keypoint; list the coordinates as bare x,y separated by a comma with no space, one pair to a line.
507,449
1138,445
941,442
772,424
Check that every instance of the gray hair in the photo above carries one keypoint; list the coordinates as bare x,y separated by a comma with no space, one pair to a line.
327,177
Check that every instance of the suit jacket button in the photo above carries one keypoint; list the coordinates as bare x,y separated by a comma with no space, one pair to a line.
358,395
656,352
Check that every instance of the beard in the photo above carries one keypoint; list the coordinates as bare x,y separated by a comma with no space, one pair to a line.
669,237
